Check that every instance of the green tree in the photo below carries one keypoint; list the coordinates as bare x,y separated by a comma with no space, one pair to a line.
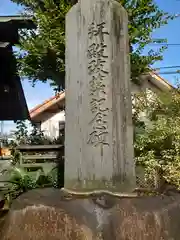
43,55
21,133
157,148
36,136
33,136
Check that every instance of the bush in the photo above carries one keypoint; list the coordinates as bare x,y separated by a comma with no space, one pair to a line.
157,147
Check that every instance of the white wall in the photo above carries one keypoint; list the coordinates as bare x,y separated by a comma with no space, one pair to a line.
50,127
145,85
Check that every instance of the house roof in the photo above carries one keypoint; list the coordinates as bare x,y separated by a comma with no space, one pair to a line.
58,101
51,105
159,81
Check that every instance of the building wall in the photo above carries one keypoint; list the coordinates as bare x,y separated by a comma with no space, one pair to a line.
50,124
147,87
143,87
50,127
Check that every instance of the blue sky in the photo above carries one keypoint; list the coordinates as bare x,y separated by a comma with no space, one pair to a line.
42,91
171,32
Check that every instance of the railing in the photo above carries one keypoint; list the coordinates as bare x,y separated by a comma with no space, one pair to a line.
43,156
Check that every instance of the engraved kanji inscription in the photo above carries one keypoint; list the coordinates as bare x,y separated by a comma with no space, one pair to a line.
97,29
97,58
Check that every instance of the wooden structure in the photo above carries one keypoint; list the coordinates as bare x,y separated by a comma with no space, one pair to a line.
13,104
42,157
9,26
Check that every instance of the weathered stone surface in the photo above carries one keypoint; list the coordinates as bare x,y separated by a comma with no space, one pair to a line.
99,139
45,214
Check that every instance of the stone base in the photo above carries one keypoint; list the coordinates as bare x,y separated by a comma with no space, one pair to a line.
114,185
51,214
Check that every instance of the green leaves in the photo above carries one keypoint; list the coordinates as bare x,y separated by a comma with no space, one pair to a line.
158,146
43,55
33,137
16,181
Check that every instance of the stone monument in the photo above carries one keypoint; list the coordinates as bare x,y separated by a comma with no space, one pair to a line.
99,132
99,148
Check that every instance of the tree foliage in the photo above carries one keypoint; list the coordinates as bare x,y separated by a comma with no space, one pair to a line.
17,181
158,146
29,135
43,55
21,132
14,180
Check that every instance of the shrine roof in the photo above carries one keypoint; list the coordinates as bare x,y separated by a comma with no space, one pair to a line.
20,21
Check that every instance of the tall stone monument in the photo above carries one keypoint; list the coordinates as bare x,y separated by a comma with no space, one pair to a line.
99,133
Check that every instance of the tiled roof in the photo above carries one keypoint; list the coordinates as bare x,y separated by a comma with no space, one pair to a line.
160,79
47,104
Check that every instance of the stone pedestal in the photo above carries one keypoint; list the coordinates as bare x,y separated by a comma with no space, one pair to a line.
50,214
